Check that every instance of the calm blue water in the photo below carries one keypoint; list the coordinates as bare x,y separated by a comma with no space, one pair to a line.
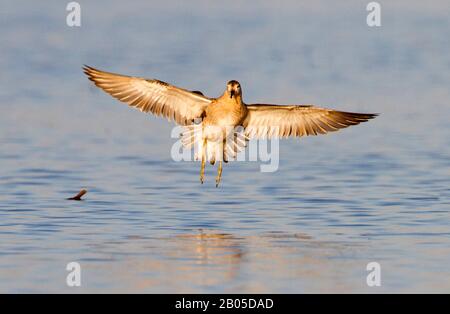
379,191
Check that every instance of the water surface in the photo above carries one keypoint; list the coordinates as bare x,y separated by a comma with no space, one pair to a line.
379,191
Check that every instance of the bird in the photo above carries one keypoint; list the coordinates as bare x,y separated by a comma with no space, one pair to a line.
226,123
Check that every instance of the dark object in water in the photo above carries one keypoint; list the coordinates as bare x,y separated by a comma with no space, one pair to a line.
78,196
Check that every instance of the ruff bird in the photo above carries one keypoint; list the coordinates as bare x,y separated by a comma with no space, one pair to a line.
226,122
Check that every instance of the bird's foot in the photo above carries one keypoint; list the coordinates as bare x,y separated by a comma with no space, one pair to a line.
217,181
219,174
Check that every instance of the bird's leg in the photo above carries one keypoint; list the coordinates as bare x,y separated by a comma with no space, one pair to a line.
202,169
219,174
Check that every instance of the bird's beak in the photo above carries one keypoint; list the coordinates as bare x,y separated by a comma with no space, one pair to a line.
231,93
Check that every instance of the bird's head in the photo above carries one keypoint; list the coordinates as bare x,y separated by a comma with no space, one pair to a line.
234,89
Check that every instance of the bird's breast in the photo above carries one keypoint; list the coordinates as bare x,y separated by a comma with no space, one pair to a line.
224,114
220,121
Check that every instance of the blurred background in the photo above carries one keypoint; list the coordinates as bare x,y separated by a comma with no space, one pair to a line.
379,191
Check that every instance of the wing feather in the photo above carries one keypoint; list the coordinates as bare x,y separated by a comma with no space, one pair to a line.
270,121
150,95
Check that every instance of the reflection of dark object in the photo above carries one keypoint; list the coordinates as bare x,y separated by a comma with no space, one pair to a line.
78,196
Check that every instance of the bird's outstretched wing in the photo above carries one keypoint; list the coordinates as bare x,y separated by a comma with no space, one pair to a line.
150,95
271,121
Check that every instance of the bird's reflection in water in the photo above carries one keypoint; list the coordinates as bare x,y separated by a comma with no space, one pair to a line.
212,248
184,263
216,261
207,258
